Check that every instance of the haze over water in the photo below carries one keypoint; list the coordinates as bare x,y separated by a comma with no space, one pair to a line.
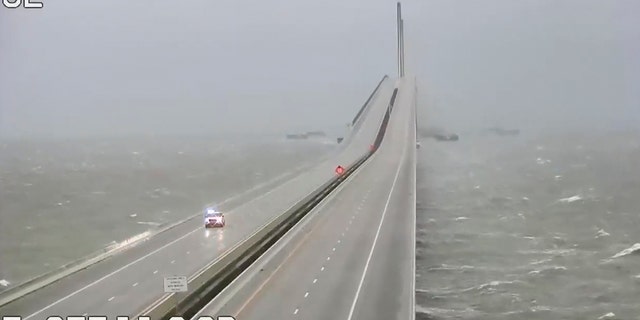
515,227
64,200
529,227
542,225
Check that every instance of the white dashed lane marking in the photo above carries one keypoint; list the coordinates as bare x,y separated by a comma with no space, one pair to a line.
135,284
110,299
155,272
315,280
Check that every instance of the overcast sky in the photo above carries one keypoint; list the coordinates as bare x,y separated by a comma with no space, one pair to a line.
95,67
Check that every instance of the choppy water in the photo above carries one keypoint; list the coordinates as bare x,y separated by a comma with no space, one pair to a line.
62,200
529,228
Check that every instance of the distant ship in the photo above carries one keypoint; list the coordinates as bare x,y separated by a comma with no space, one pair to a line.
297,136
316,134
446,137
504,132
437,133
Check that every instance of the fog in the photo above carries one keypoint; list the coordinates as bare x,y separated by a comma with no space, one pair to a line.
536,65
79,68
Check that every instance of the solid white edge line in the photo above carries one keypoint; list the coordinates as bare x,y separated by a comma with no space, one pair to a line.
375,240
415,199
147,255
262,185
143,257
239,281
45,279
108,275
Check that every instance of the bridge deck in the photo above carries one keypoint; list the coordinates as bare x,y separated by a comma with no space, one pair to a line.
128,282
356,259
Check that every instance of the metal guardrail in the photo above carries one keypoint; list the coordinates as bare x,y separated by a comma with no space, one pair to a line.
67,269
366,103
207,283
47,278
40,281
214,277
385,121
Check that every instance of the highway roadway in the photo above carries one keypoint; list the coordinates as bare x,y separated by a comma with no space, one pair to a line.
354,257
130,281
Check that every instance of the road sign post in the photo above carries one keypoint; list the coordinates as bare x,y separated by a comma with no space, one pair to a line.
175,285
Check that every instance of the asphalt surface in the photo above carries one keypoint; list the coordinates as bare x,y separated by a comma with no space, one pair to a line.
128,282
358,259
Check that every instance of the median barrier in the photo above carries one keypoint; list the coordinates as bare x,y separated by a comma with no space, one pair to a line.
212,278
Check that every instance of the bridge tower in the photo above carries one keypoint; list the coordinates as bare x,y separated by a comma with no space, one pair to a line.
400,32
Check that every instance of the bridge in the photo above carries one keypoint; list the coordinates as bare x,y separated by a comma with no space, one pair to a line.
311,245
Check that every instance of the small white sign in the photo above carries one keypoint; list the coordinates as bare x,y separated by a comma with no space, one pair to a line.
175,284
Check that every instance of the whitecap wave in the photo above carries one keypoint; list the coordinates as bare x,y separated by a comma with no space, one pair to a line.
540,261
467,313
548,269
609,315
570,199
541,161
631,250
446,267
497,283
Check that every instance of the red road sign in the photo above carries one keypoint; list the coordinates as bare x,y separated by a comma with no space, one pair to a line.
339,170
